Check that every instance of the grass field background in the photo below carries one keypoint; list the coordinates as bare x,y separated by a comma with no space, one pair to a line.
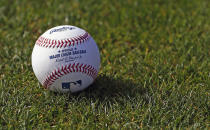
155,64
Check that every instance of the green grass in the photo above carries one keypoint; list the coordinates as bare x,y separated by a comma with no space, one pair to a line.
155,65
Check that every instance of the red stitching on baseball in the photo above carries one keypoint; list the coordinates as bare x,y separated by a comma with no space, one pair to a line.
48,43
84,68
55,43
58,43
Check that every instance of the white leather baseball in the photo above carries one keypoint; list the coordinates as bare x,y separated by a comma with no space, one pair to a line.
65,59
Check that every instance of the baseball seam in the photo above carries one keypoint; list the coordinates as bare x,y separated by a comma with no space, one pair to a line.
76,67
49,43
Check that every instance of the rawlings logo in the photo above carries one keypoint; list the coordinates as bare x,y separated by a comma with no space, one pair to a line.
61,29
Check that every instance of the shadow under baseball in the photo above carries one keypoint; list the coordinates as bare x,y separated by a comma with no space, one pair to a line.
108,89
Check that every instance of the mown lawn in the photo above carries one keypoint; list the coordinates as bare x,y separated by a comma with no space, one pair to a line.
155,65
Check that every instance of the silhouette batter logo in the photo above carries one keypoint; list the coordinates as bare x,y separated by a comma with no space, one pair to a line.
68,85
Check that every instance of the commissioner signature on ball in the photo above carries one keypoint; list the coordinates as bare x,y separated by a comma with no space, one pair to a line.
69,58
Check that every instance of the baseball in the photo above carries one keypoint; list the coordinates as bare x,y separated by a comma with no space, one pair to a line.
65,59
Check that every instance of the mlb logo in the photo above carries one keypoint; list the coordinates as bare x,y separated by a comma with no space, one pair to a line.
67,85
